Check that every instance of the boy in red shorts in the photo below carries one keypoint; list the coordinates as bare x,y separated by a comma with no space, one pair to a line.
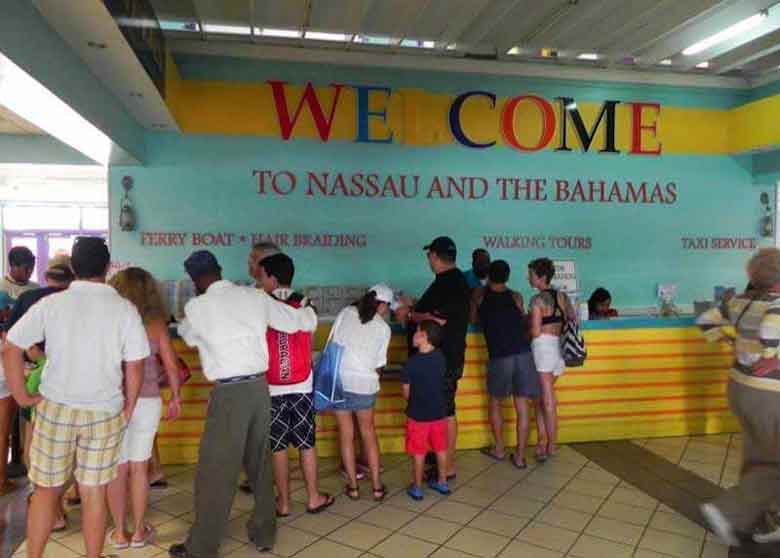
422,381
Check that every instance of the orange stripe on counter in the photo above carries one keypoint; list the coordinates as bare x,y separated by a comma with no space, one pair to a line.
638,342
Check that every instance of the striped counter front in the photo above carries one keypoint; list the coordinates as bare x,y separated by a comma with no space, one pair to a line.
643,378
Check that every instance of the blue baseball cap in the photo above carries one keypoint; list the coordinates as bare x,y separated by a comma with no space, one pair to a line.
201,263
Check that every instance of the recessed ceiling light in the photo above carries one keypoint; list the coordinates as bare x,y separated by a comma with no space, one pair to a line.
97,45
325,36
666,62
726,34
280,33
226,29
514,51
452,46
703,65
588,56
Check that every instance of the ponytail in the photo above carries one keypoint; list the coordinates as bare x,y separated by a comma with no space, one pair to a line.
367,307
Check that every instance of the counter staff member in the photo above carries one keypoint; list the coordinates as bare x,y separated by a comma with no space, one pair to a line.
228,324
447,303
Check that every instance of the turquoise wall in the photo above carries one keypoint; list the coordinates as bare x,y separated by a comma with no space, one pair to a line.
199,183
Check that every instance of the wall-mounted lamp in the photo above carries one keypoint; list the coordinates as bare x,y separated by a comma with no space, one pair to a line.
127,214
766,226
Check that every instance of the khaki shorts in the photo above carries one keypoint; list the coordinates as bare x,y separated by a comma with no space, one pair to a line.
72,441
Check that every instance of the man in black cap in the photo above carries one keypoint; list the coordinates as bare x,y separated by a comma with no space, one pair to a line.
228,323
447,302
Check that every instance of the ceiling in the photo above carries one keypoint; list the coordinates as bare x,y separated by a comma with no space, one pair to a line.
642,35
10,123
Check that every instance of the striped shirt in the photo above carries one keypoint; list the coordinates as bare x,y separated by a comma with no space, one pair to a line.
752,325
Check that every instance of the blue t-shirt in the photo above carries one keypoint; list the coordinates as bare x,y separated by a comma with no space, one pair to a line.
472,280
424,372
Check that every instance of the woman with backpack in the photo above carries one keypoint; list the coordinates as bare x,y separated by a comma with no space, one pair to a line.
363,332
550,309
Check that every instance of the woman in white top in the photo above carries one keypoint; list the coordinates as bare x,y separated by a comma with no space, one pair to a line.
365,336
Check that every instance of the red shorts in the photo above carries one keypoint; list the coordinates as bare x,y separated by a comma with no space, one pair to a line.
422,437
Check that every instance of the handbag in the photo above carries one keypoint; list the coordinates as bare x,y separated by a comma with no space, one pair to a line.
328,390
184,372
571,339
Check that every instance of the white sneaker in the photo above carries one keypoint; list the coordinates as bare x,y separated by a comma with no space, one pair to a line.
719,524
771,532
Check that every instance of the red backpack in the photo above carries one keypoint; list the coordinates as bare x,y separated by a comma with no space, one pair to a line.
289,354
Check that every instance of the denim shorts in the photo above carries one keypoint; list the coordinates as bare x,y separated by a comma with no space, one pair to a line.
355,402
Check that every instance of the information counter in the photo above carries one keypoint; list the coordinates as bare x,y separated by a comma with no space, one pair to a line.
643,378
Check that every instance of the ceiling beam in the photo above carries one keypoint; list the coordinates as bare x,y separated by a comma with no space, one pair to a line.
56,66
700,27
770,24
739,57
486,21
399,61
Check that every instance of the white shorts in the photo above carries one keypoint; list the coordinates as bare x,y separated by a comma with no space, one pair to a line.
139,437
4,391
547,354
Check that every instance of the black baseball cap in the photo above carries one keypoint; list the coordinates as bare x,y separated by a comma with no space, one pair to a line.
201,263
442,245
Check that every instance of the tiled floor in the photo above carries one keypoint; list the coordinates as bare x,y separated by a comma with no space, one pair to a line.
567,507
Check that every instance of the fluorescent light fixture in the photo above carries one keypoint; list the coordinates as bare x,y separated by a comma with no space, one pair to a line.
379,40
324,36
726,34
26,97
666,62
452,46
703,65
187,26
226,29
278,33
417,43
588,56
514,51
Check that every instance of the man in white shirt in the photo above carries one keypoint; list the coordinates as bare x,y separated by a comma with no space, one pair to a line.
228,324
82,411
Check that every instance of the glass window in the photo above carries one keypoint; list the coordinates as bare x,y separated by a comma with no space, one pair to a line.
28,218
94,218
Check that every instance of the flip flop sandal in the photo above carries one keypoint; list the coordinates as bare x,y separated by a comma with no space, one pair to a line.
521,465
380,493
541,456
63,527
490,452
352,492
329,500
147,538
415,493
116,545
160,483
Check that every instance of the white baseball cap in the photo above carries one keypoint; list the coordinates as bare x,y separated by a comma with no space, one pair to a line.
385,294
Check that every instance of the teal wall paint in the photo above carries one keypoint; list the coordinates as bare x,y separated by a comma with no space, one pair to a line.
28,40
237,69
767,90
204,183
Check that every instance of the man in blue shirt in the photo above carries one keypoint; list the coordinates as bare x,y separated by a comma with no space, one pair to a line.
477,275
